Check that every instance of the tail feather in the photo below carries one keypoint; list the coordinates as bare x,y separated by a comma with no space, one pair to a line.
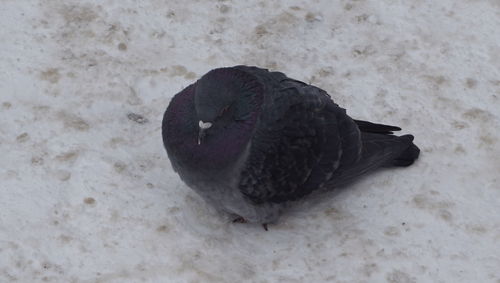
388,150
407,157
369,127
379,150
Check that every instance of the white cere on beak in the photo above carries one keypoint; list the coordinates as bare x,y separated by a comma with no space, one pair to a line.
204,125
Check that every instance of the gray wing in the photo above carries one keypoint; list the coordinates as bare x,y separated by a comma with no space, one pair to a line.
301,139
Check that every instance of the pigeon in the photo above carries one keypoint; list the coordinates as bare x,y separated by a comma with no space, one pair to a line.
251,142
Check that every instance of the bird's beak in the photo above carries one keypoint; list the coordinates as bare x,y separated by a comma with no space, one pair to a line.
202,131
201,135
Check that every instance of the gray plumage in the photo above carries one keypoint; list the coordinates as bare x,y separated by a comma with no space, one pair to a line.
250,141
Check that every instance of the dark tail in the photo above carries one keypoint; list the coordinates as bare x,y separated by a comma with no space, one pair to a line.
408,156
380,148
390,150
378,137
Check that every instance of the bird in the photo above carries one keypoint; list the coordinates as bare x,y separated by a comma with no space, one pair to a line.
251,142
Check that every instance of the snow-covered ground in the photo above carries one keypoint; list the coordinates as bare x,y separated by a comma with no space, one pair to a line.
87,193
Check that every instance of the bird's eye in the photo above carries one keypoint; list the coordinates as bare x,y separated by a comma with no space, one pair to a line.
223,110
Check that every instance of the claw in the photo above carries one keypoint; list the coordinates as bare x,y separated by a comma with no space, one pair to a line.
240,220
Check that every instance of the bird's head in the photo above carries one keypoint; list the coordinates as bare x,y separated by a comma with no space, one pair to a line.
208,125
223,98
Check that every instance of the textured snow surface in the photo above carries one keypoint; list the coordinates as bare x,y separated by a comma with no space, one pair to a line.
87,193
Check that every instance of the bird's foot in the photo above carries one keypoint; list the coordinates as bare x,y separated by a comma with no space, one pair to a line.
240,220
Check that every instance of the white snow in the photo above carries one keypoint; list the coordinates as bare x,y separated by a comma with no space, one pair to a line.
87,193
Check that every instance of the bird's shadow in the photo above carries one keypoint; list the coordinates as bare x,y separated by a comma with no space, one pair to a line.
204,218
